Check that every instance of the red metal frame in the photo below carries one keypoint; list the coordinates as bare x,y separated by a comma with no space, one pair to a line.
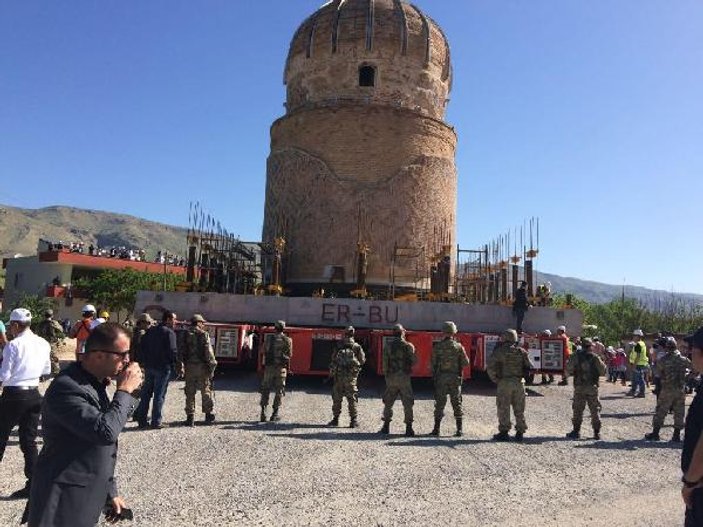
422,340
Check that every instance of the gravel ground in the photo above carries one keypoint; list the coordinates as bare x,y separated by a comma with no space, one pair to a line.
299,472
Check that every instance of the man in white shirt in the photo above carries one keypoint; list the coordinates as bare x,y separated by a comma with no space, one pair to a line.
25,360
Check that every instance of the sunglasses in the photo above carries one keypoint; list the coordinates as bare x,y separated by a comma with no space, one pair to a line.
122,354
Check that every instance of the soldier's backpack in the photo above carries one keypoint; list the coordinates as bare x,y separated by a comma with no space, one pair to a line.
399,358
346,359
586,370
447,360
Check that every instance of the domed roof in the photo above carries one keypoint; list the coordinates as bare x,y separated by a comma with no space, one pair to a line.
344,33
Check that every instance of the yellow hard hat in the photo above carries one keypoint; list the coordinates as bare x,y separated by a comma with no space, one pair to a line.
104,314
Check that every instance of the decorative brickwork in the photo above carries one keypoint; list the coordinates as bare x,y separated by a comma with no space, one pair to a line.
345,151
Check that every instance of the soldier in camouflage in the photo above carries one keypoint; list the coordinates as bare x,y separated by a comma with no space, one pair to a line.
345,367
51,331
506,367
398,361
277,354
144,322
196,361
448,360
586,368
672,370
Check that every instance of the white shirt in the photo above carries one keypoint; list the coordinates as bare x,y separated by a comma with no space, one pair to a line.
25,359
95,323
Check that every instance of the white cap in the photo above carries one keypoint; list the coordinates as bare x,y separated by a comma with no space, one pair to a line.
562,328
21,315
547,333
638,333
88,308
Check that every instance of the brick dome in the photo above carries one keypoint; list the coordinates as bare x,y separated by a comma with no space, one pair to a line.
384,52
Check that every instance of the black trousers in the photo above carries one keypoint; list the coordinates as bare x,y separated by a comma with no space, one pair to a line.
694,515
21,408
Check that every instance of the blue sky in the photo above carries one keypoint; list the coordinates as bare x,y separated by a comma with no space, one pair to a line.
588,114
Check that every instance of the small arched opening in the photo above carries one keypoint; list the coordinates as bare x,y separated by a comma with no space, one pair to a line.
367,76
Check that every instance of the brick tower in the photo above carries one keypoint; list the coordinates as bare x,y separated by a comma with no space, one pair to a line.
363,154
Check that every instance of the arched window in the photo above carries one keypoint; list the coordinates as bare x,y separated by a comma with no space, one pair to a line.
367,76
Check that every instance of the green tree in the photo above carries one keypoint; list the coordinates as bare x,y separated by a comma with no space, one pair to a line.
116,289
36,305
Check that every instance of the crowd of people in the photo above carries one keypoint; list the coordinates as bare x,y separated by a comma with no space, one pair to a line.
80,422
119,252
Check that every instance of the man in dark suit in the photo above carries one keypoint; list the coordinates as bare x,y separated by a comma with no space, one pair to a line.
74,475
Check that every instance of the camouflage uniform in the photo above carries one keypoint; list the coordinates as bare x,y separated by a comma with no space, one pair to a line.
586,368
448,360
198,361
398,360
345,367
51,331
506,367
672,370
277,355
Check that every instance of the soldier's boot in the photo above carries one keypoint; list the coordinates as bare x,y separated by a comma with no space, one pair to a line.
274,416
596,433
676,438
563,382
575,433
409,432
190,420
519,436
386,428
459,427
653,435
354,423
262,417
501,436
209,417
334,421
435,430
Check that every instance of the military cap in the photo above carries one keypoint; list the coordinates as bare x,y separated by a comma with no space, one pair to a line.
510,335
280,325
398,328
197,318
449,327
671,343
586,342
350,330
145,317
49,313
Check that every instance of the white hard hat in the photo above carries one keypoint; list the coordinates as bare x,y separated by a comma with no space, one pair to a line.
562,328
21,315
638,333
547,333
88,308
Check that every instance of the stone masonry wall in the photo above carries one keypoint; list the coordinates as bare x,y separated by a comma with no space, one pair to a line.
396,166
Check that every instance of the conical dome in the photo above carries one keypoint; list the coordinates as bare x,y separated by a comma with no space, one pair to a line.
380,51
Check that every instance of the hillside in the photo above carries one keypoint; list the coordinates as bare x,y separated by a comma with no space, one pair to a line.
599,293
21,228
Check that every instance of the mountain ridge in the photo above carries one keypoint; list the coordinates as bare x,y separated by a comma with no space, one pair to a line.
21,229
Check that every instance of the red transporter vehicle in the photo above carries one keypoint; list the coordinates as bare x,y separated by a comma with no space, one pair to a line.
312,348
482,346
231,343
546,354
422,340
